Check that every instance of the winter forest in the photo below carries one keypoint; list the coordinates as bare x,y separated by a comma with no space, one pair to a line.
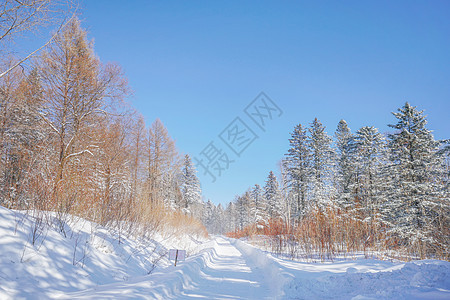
75,151
71,144
353,192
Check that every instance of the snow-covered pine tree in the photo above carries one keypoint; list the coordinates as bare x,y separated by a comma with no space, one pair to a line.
249,219
288,201
171,191
368,160
231,217
251,207
260,213
322,157
297,164
415,199
242,210
272,196
344,167
219,220
208,217
190,187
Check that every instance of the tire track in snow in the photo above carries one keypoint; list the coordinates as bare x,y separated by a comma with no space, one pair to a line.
233,274
228,270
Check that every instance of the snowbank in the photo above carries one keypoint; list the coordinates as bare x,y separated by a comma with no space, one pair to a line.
358,279
85,257
274,276
369,279
164,283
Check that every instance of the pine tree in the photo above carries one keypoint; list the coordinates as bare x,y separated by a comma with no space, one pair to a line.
415,196
190,187
344,175
288,201
252,208
249,204
272,196
209,216
231,217
171,190
297,164
260,212
219,220
368,160
242,210
321,169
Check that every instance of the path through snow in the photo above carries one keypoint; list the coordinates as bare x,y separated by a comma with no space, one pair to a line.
231,269
222,271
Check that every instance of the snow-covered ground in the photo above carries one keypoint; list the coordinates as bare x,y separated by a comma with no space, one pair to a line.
87,256
219,268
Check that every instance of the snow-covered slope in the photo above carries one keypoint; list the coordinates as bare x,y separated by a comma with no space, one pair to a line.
217,269
87,256
353,279
369,279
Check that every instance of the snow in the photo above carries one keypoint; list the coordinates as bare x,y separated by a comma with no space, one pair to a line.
365,279
89,256
219,268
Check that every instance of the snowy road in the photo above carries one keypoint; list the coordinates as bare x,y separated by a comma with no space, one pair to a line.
229,276
231,269
221,272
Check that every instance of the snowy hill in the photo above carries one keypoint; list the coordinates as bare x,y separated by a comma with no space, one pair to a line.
89,263
88,256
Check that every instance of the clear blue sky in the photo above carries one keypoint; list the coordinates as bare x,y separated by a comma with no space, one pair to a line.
197,64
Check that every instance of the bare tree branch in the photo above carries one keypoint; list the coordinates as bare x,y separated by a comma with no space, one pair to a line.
27,16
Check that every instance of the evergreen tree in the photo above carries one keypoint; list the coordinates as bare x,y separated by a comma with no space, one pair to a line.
242,211
321,169
219,220
369,153
415,197
344,167
297,164
252,209
192,193
260,212
272,196
231,217
171,190
288,201
209,216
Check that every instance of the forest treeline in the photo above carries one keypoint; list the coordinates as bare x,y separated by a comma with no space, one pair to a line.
361,191
70,144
